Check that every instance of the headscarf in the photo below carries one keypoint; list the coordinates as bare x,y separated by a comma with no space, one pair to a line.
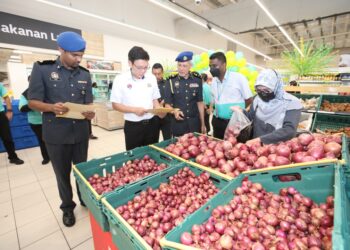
274,111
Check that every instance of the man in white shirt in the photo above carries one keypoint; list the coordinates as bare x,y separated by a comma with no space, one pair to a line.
133,93
228,89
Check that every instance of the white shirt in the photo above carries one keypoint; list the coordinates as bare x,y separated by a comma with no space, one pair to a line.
133,92
233,89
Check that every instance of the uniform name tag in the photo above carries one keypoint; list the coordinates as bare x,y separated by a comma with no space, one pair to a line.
194,85
85,82
54,76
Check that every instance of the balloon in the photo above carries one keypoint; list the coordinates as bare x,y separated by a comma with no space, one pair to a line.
241,62
235,69
253,75
230,62
230,54
196,59
251,68
210,52
244,71
251,86
239,55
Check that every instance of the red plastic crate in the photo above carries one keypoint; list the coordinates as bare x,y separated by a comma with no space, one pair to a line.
102,240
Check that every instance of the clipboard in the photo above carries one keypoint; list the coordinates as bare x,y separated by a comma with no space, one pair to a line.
161,110
75,110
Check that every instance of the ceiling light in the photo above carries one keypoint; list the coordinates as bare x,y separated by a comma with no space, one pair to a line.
15,57
15,61
207,26
279,26
22,52
120,23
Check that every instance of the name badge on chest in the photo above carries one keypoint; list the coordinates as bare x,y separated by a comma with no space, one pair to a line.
176,84
194,85
54,76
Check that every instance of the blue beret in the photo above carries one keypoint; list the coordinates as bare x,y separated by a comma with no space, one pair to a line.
184,56
71,41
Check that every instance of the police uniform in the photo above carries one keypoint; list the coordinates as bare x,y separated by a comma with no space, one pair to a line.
164,123
184,94
66,139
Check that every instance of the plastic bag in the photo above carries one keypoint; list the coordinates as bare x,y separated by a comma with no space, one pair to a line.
239,126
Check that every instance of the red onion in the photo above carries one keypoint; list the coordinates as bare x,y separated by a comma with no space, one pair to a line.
333,147
220,227
305,139
281,160
283,150
226,242
186,239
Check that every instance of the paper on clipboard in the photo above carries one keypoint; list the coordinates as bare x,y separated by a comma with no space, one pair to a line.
161,110
75,110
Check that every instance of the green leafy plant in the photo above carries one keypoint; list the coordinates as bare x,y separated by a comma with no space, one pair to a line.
315,59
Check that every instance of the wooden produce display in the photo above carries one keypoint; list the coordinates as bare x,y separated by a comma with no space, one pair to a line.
107,118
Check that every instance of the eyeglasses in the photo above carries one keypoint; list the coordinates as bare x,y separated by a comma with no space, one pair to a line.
141,68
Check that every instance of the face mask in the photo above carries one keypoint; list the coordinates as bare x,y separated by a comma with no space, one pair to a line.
266,97
215,72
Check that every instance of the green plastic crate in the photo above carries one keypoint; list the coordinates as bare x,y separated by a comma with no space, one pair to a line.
330,121
124,236
335,99
316,182
305,96
84,170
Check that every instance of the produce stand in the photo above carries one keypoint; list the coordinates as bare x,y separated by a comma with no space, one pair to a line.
124,236
83,171
317,182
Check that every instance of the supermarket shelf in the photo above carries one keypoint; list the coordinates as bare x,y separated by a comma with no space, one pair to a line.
318,88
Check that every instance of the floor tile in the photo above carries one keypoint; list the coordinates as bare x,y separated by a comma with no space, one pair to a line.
49,182
5,196
25,189
4,185
37,230
79,233
28,200
20,181
32,213
7,219
87,245
55,241
9,241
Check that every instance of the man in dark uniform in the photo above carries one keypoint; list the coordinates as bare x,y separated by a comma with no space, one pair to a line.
184,91
165,123
52,84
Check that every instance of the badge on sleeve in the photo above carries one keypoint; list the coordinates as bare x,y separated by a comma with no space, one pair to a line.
177,84
129,86
54,76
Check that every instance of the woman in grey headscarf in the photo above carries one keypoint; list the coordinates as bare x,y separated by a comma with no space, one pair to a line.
274,112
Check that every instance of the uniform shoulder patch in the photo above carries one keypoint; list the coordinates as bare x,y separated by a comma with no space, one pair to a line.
46,62
196,74
82,68
172,76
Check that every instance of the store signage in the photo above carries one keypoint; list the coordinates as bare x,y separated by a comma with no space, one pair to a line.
29,32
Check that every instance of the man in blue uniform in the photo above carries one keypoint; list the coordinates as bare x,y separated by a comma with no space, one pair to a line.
52,84
184,91
164,123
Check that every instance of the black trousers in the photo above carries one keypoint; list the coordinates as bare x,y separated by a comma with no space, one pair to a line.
219,127
142,133
165,127
90,127
62,156
181,127
6,137
206,119
38,131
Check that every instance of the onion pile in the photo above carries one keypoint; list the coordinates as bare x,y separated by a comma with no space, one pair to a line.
232,158
154,212
256,219
131,171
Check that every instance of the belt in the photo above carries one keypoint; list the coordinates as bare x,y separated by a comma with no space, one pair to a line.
221,119
145,122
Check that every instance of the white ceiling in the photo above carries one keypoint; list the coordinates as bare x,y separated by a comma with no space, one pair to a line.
233,15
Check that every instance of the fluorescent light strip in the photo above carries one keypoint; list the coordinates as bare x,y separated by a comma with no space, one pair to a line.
15,61
120,23
205,26
22,52
239,43
279,26
15,57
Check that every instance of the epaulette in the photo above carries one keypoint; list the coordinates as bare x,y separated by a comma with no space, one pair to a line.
172,76
196,74
47,62
82,68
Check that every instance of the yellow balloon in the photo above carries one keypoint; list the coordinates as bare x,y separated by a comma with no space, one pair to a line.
230,62
253,75
241,62
230,54
244,71
204,56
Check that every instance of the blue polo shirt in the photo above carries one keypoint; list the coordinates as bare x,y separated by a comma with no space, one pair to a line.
3,94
